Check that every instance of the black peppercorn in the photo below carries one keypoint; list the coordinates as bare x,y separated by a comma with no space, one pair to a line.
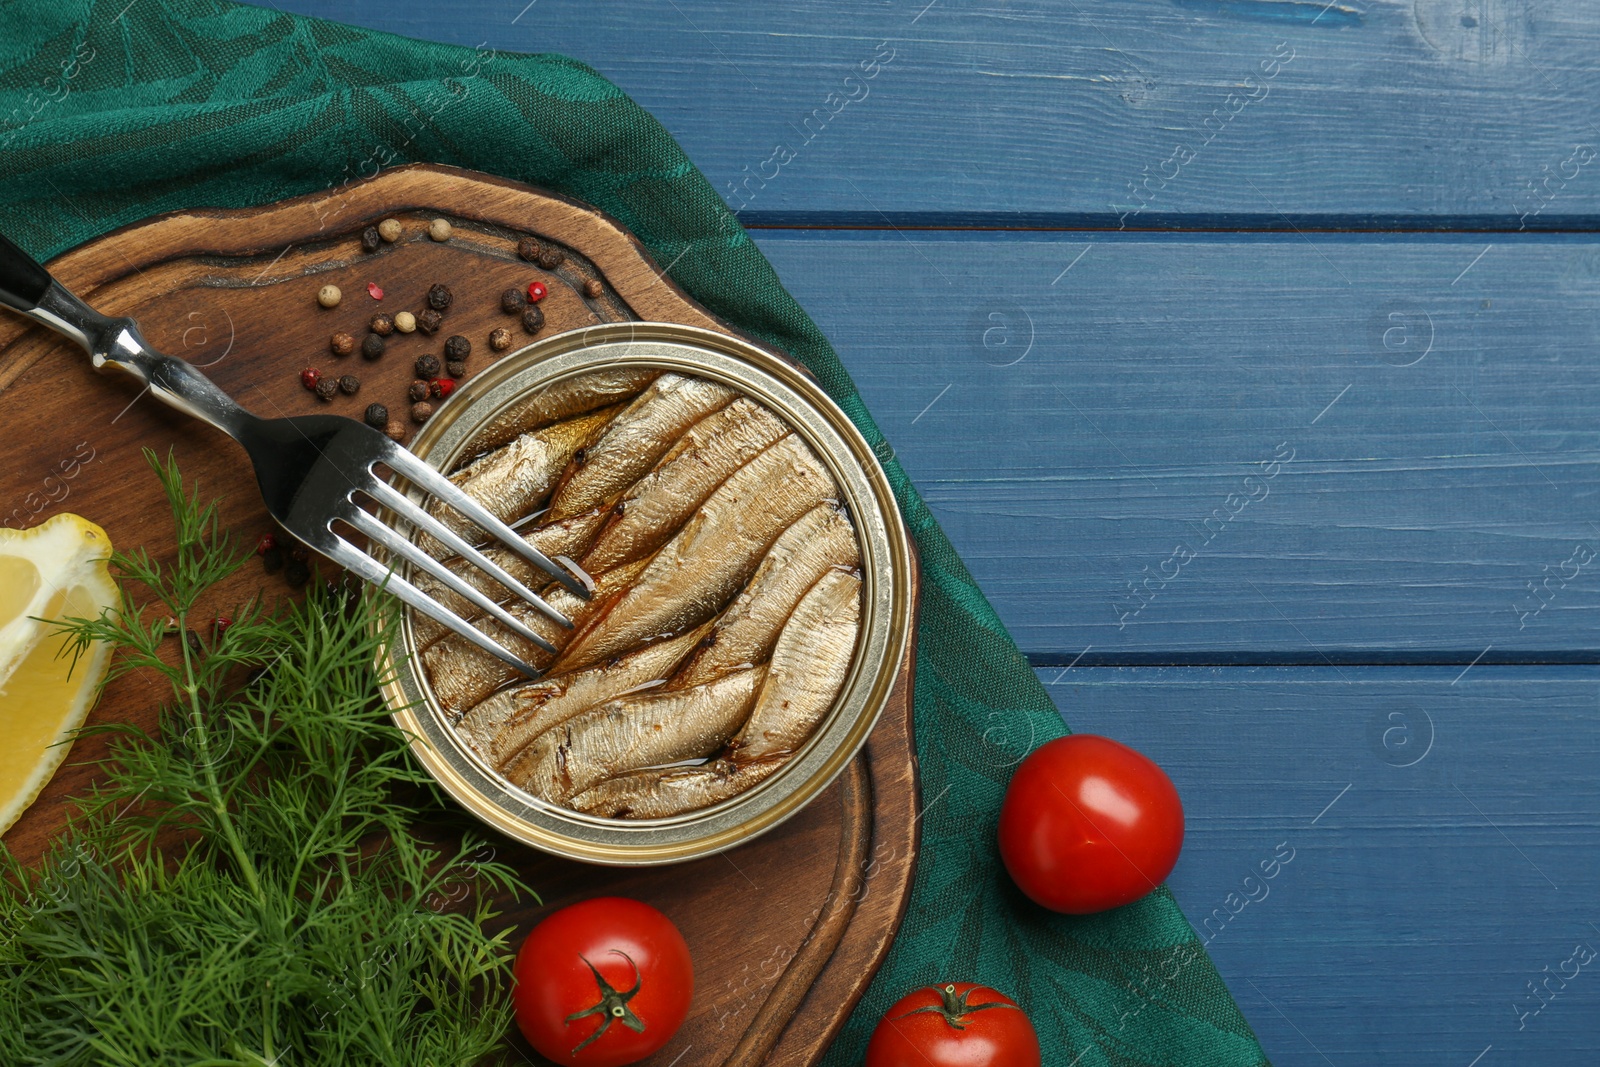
371,346
342,344
513,300
272,560
529,249
551,258
418,390
500,339
428,366
457,348
593,289
349,385
383,325
532,319
456,370
377,416
421,412
297,573
429,321
327,388
439,297
369,239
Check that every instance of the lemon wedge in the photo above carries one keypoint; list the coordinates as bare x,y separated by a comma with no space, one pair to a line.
56,570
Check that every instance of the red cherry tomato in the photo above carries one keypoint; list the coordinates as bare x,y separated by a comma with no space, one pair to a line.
958,1024
1089,824
603,983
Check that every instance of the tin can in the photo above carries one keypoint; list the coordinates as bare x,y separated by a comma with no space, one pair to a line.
887,597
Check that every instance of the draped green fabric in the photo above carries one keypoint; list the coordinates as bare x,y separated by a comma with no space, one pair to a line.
114,112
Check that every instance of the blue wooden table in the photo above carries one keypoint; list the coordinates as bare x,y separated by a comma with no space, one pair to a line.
1247,351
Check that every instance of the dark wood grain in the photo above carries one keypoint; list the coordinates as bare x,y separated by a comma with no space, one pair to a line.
812,905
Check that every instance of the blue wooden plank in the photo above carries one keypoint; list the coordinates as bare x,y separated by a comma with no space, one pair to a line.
1416,113
1220,447
1443,836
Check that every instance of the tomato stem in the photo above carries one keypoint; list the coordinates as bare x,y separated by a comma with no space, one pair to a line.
953,1007
613,1006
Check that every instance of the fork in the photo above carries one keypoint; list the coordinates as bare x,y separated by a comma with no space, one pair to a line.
311,468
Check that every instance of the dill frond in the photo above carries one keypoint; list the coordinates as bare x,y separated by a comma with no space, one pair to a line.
251,885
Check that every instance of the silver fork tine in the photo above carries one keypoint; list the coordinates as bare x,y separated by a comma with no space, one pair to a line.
431,481
393,542
391,497
368,569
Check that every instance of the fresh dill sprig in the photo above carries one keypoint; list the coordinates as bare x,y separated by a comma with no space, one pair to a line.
250,886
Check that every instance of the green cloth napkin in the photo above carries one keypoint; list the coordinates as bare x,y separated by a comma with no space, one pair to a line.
117,111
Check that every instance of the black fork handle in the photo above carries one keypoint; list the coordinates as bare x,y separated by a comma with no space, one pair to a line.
23,282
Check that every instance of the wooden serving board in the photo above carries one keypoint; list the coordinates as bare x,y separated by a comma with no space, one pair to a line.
787,930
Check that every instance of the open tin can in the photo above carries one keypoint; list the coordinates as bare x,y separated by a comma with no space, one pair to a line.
886,610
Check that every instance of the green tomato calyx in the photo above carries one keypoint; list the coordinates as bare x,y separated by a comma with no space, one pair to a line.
613,1006
954,1009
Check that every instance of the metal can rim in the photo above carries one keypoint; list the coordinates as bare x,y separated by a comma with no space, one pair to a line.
794,395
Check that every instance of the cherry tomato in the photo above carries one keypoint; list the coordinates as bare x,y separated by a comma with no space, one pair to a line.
1089,824
602,983
958,1024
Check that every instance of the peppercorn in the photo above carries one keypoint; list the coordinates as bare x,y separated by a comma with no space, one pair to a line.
500,339
369,239
529,249
439,296
418,390
374,291
457,348
427,366
349,384
513,300
442,387
309,378
297,573
396,430
389,230
342,344
532,319
456,370
372,346
593,289
405,322
421,412
220,624
329,296
377,416
300,552
439,229
272,560
536,292
383,325
551,258
429,321
327,388
266,544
